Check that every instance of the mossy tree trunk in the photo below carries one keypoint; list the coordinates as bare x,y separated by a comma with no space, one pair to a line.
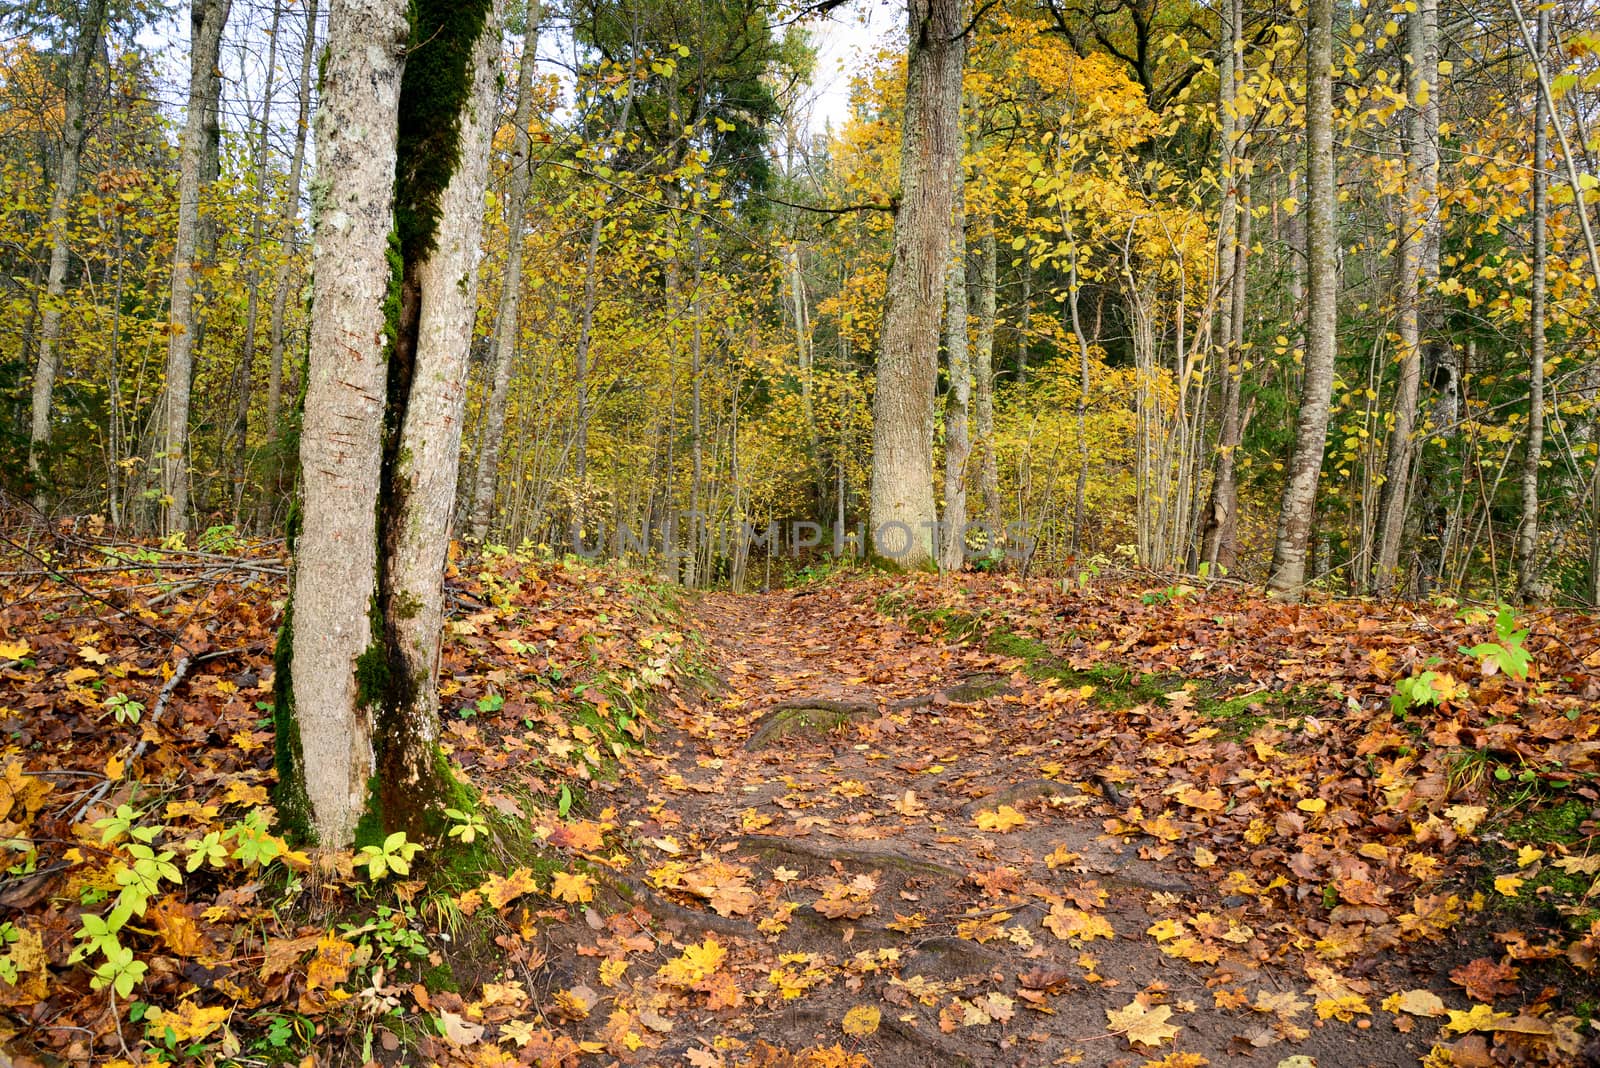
403,147
421,465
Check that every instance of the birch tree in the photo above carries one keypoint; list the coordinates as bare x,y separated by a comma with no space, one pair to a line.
1529,579
1322,239
902,503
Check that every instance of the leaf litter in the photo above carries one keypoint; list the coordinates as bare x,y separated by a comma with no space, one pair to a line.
1099,829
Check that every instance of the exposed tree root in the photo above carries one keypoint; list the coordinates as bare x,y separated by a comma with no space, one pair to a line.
849,853
637,892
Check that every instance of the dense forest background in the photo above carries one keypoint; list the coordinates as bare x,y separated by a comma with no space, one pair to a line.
682,284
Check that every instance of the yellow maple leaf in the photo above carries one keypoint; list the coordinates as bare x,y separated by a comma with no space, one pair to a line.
245,794
695,964
1508,885
1344,1008
500,892
189,1021
1466,817
13,650
1142,1025
1478,1018
572,888
1415,1003
1067,923
1000,820
611,970
861,1021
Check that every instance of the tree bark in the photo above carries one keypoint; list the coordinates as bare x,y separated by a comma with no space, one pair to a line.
1220,532
1417,245
1227,293
1322,239
91,29
325,716
983,374
1529,578
247,362
902,505
423,464
280,290
958,401
207,19
503,346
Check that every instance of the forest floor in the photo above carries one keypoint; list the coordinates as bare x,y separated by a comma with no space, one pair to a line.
873,821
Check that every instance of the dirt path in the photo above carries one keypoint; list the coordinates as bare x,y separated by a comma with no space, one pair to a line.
900,849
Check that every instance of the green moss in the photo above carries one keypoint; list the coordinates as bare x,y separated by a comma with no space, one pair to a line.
289,795
1114,687
1552,823
434,91
1240,716
440,978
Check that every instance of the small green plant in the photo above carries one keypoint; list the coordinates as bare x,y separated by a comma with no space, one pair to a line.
8,963
220,539
1417,690
1507,654
394,855
467,826
1172,593
124,708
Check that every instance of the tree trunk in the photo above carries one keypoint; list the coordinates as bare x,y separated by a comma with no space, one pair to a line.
503,346
1221,511
1322,240
90,31
207,18
280,291
247,362
902,509
1220,535
335,652
1529,579
1417,246
983,373
422,459
1025,321
958,401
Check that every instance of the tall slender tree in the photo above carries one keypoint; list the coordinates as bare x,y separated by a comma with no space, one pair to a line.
1288,573
902,507
86,46
958,398
1418,246
280,284
1529,579
503,343
206,21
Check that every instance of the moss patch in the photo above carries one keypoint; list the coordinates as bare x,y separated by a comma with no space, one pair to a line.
814,719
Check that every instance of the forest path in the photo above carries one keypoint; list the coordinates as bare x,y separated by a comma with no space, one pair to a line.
900,846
